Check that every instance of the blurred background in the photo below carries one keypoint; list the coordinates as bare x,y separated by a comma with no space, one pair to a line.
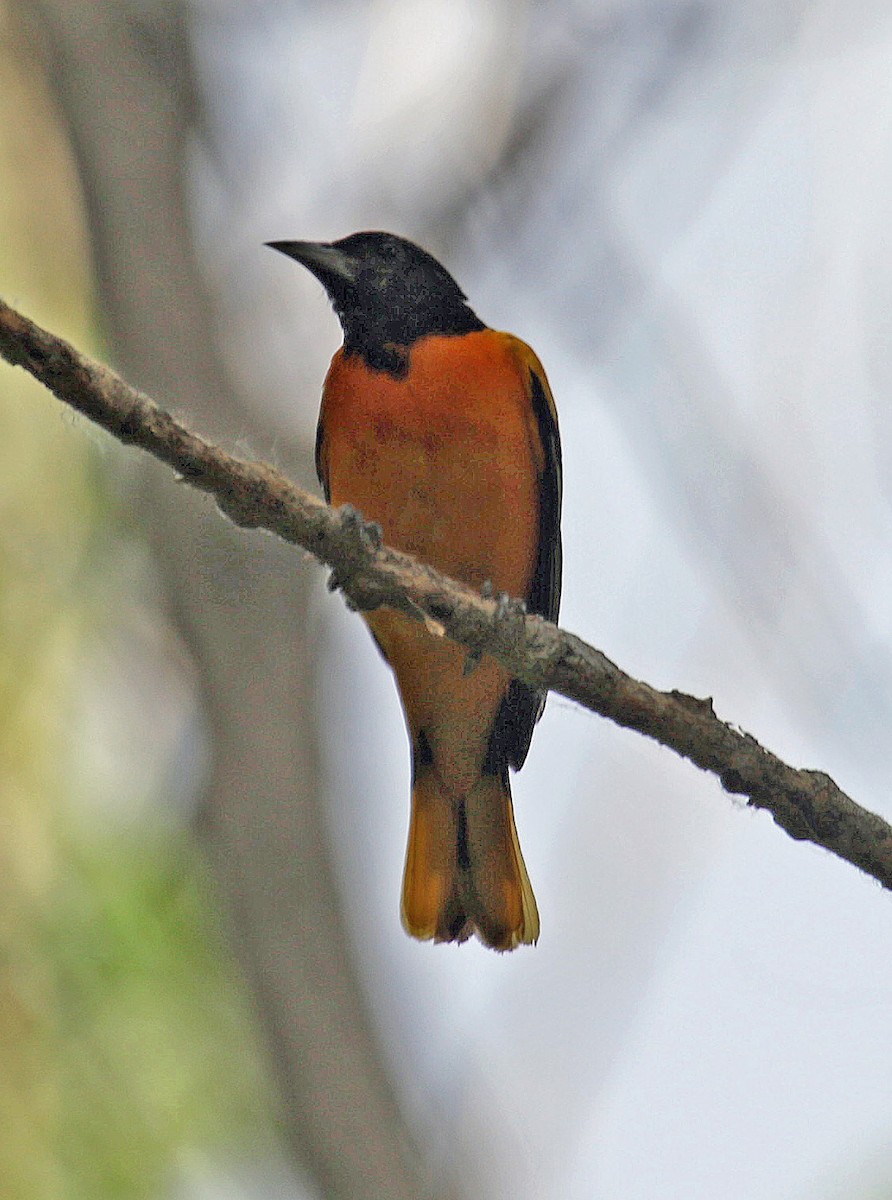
205,991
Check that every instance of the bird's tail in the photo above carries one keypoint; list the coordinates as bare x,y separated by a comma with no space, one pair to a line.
465,873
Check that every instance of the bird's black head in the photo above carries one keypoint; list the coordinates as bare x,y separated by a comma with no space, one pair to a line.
387,293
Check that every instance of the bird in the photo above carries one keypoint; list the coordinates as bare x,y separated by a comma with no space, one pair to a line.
444,433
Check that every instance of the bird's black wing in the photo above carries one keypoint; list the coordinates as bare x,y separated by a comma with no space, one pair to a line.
523,705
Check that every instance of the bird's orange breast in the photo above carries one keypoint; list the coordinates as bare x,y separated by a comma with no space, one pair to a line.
445,459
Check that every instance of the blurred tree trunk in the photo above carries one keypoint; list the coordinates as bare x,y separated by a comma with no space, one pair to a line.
123,78
32,677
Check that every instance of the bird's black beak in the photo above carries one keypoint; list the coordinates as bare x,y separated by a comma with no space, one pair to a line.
330,265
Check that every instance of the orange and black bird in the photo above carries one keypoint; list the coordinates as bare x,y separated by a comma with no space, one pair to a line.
444,432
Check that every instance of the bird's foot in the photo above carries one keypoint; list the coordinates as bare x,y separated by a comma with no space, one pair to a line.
360,543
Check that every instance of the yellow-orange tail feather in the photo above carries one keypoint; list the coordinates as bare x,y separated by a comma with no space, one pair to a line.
464,870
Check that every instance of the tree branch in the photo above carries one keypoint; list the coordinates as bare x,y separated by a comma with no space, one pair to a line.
807,804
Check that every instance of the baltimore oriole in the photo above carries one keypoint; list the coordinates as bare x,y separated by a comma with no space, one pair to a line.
444,432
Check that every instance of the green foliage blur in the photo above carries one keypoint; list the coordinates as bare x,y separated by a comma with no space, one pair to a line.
125,1044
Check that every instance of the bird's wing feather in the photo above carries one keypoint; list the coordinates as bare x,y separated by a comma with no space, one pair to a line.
522,706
